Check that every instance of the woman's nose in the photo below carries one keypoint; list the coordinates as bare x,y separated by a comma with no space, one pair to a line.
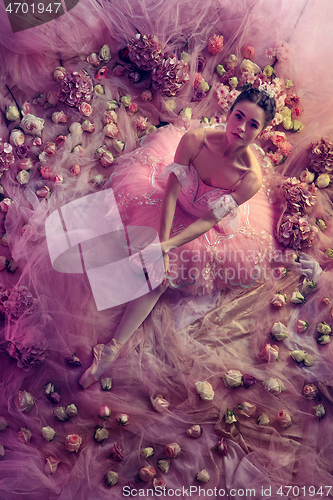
241,126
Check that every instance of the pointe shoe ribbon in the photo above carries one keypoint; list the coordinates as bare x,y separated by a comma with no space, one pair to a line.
104,355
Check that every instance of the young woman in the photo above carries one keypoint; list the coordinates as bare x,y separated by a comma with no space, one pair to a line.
214,172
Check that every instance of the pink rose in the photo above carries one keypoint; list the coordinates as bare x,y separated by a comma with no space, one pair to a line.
59,73
60,139
301,326
73,442
58,179
110,116
146,95
194,431
38,141
160,404
147,473
76,169
284,418
78,149
104,412
133,107
279,300
24,435
25,164
50,148
110,130
326,301
122,418
87,126
117,453
102,73
141,123
310,391
51,465
25,108
5,204
247,409
94,60
173,450
52,97
222,447
159,483
248,52
85,109
24,401
106,159
270,353
46,173
59,117
43,192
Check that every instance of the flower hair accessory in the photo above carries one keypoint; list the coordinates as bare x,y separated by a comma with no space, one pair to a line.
268,89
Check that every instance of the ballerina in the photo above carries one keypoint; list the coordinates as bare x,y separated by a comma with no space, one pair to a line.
230,175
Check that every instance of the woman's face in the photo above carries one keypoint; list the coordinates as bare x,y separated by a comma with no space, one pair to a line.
245,123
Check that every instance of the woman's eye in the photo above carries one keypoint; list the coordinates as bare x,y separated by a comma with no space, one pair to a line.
254,125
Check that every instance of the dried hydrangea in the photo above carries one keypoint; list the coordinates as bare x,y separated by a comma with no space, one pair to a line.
320,156
76,88
170,76
145,51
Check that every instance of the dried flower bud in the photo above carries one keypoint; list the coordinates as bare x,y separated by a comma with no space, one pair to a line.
71,410
194,431
48,433
51,465
117,453
111,478
60,413
173,450
147,473
319,410
106,383
101,433
147,452
263,419
164,465
203,476
122,418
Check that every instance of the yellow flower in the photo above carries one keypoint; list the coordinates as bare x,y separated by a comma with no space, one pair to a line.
289,84
268,70
298,126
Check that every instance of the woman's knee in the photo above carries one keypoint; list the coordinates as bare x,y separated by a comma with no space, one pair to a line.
160,289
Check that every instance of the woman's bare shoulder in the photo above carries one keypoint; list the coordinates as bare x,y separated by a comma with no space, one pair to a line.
189,145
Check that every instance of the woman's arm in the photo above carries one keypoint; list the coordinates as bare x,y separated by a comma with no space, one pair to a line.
168,206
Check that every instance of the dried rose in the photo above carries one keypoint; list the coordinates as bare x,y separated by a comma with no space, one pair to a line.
76,169
233,378
159,483
248,52
204,390
6,204
247,409
324,339
59,73
307,176
308,360
73,442
319,410
32,125
326,301
24,435
75,128
230,417
73,361
87,126
23,177
104,412
122,418
48,433
43,192
194,431
147,452
85,109
25,164
51,465
301,326
101,433
102,73
118,145
324,328
147,473
298,355
99,180
263,419
274,385
270,353
12,113
3,424
248,380
323,181
173,450
279,331
203,476
59,117
164,465
60,413
279,300
71,410
310,391
111,478
231,61
24,401
284,418
54,397
16,137
105,54
186,113
106,384
222,447
329,252
308,286
159,403
321,224
297,298
117,453
60,139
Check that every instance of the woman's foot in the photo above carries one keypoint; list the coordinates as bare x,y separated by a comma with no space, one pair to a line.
104,355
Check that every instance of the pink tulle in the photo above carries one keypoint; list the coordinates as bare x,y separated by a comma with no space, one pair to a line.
49,319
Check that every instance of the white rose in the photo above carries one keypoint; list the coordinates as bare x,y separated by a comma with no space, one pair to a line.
112,105
126,100
323,180
308,360
186,113
16,137
71,410
204,390
48,433
118,145
23,177
297,298
231,61
105,53
32,125
160,404
164,465
279,331
230,417
204,86
319,411
298,355
274,385
147,452
170,105
99,180
233,378
203,476
51,465
324,339
75,128
324,328
308,286
247,409
307,176
24,400
249,67
263,419
233,82
60,413
12,113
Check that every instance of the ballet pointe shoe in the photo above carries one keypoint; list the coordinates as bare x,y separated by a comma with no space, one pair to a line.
104,355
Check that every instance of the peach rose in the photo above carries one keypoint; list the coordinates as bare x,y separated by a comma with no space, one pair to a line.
147,473
59,117
73,442
270,353
279,300
16,137
85,109
173,450
248,52
87,126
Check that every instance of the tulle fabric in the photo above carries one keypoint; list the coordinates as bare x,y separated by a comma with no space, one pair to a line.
53,315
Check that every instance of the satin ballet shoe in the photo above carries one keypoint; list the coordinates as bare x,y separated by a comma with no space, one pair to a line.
104,355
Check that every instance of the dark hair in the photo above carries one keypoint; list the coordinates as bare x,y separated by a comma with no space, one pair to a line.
261,98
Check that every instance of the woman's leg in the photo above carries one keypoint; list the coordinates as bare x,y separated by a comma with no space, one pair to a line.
135,313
